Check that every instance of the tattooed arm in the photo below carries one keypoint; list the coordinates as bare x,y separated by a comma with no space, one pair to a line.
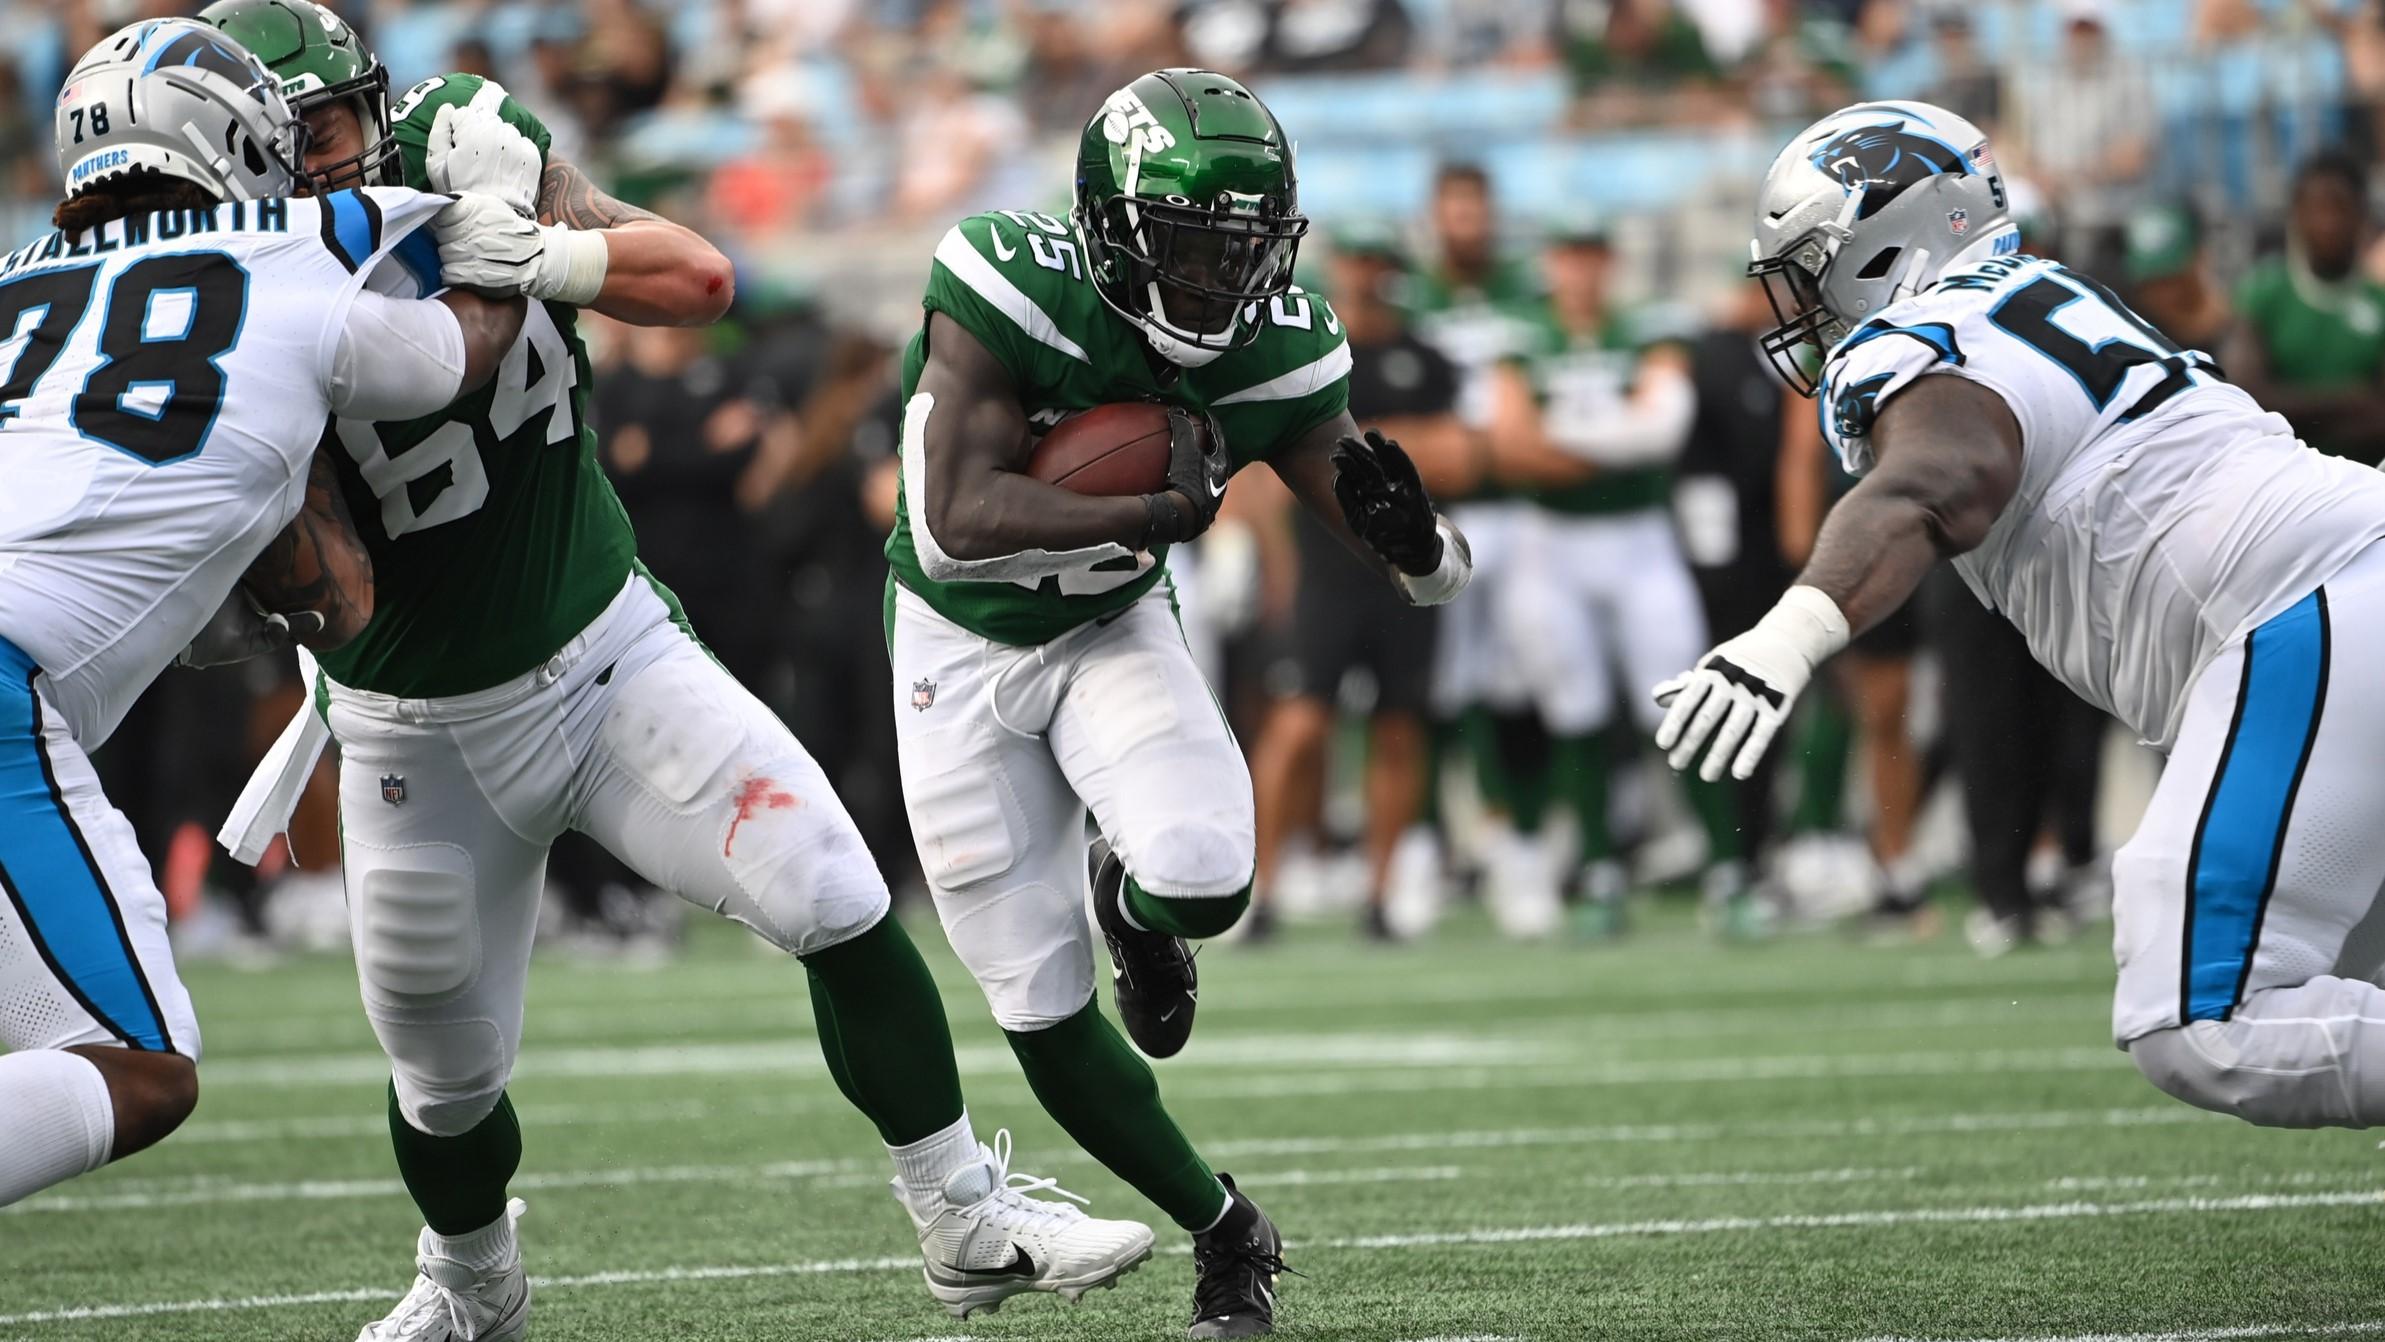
659,273
317,565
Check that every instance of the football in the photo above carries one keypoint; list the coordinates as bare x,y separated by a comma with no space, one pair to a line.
1114,450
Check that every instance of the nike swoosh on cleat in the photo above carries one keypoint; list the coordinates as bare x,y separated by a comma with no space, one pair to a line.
1168,1015
1020,1265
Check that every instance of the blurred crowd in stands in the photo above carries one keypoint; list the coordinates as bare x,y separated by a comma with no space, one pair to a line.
1530,216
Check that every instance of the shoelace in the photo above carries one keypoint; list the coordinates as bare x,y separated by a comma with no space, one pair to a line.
1221,1290
459,1316
1011,1190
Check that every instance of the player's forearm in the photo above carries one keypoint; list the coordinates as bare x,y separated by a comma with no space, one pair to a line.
1647,430
998,514
317,565
490,326
660,274
1872,555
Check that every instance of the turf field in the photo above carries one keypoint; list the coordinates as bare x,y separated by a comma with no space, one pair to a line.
1463,1140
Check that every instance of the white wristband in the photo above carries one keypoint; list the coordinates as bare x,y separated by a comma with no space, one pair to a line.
571,267
1449,577
1807,620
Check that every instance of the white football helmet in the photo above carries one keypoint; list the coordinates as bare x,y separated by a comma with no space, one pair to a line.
1866,206
175,96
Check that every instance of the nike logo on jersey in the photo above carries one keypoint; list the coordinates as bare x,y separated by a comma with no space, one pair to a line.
1020,1265
1002,250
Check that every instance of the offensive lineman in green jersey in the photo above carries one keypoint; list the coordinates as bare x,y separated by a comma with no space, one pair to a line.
523,675
1594,409
1038,667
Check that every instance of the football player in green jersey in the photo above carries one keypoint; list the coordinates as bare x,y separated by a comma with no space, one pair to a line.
1596,408
523,675
1039,670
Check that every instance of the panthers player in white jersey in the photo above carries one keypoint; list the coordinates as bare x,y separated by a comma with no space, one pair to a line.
171,355
2167,547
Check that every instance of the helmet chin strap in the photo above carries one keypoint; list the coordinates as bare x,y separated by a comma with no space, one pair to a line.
1176,349
1913,274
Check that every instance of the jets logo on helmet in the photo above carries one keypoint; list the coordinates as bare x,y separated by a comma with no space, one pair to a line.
1866,206
1125,116
321,62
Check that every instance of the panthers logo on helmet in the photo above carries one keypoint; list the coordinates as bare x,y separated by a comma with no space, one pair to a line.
1882,160
204,49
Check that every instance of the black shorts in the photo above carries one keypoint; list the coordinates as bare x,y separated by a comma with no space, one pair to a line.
1342,626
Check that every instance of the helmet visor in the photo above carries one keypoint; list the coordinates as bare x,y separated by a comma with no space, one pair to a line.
1197,268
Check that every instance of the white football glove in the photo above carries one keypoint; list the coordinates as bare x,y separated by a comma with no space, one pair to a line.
472,149
484,245
1738,695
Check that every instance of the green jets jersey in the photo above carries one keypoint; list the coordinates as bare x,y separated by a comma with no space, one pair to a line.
495,537
1581,376
2316,335
1016,281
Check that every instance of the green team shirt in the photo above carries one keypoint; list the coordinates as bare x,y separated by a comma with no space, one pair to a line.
1475,326
1581,376
495,537
2331,338
1016,281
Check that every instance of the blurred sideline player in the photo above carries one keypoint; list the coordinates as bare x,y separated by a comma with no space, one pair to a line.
1039,671
524,675
180,342
1464,301
1875,681
1595,410
1724,501
1344,619
2168,548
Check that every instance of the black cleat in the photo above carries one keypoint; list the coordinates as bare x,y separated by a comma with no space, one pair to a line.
1152,977
1238,1263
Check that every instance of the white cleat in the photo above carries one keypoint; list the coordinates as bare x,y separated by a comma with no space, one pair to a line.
985,1240
451,1302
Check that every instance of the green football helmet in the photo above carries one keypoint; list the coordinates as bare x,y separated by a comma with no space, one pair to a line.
320,59
1189,210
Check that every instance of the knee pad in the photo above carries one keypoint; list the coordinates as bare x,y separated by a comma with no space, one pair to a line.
2205,1063
1028,948
1185,856
446,1109
417,929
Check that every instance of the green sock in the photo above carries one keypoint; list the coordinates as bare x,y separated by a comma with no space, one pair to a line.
1825,739
1581,769
883,1032
1523,749
458,1182
1106,1098
1717,805
1181,916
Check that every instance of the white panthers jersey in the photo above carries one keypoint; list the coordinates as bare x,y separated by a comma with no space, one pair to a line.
2161,512
164,381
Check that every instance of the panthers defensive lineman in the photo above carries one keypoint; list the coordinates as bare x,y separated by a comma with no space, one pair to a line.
523,675
2169,550
173,353
1038,667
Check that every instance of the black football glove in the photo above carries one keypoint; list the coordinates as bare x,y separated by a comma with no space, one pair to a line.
1197,471
241,629
1385,504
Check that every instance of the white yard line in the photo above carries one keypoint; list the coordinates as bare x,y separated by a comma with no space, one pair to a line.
1487,1236
1487,1061
1752,1178
147,1194
2250,1330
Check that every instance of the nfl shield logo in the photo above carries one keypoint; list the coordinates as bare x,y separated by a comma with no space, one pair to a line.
1958,222
393,789
923,695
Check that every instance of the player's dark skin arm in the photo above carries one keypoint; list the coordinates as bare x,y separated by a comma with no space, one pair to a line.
1947,460
979,504
317,564
660,273
1306,468
490,326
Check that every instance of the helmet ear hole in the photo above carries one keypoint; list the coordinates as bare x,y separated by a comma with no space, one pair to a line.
249,156
1877,268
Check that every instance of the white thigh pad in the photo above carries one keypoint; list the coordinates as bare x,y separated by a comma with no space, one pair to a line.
671,729
417,927
965,820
